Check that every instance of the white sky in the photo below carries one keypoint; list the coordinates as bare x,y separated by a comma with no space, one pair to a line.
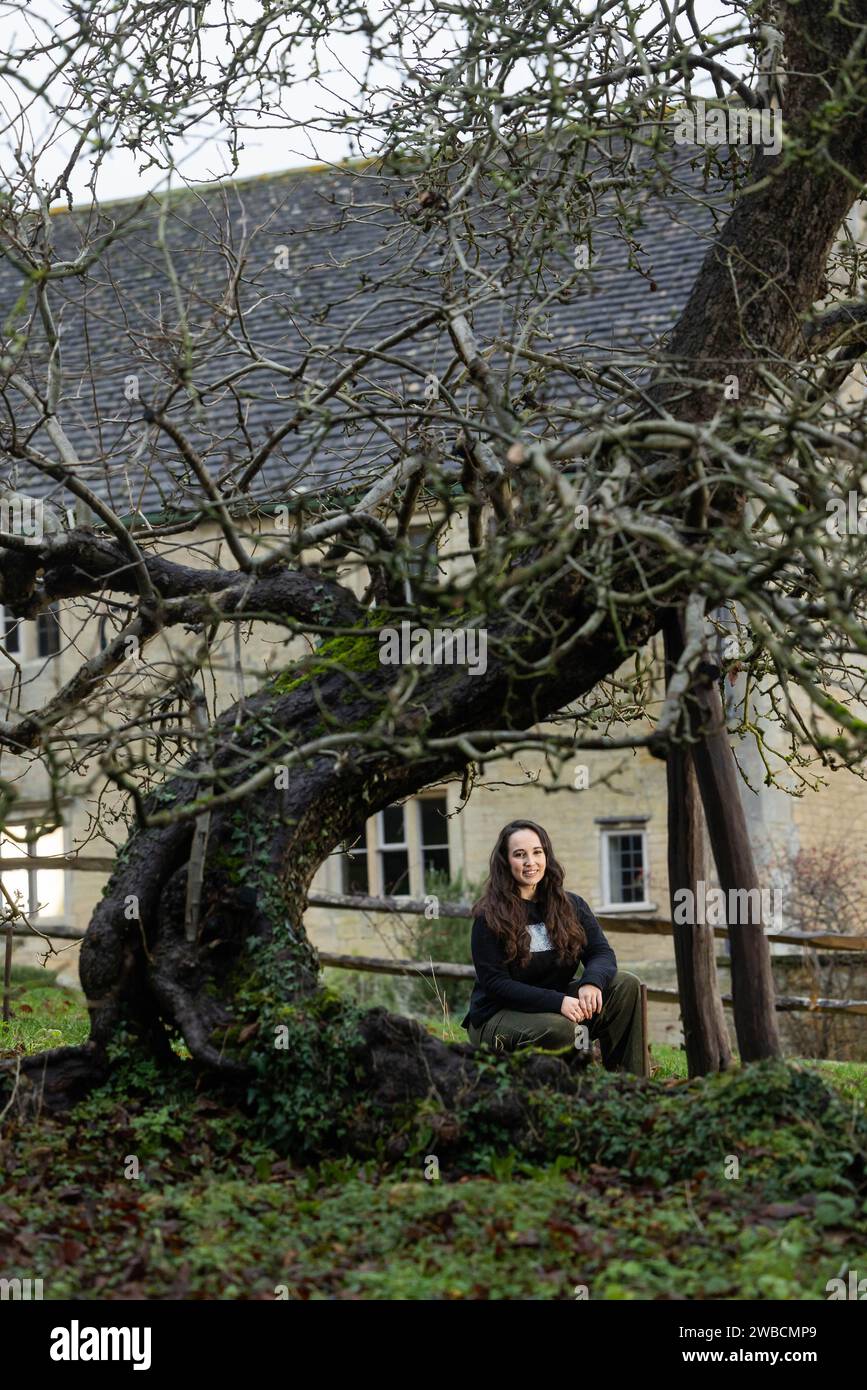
205,156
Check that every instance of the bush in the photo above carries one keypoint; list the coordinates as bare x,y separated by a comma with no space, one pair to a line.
822,888
438,939
421,939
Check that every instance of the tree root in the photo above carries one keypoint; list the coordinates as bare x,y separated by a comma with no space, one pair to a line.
52,1081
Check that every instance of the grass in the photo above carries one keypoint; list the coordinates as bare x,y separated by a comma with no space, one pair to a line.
216,1213
46,1014
323,1236
43,1013
669,1062
849,1078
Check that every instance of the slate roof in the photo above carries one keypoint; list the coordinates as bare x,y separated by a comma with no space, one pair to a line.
352,271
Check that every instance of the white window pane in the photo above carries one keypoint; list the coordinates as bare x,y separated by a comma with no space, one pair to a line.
395,871
13,849
613,870
16,884
626,868
436,861
49,892
50,844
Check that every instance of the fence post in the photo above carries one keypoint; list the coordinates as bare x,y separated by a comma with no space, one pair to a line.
7,972
644,1038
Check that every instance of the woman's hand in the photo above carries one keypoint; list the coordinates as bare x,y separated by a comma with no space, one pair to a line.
571,1008
588,1003
591,997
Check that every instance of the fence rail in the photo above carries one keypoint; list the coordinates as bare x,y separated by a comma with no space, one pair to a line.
92,863
449,970
655,926
415,907
452,970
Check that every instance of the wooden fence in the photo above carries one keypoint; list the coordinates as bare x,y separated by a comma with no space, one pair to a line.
451,970
656,926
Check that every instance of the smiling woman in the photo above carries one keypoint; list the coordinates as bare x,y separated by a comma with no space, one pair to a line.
529,939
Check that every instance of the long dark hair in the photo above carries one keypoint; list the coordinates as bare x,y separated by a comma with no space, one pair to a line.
503,907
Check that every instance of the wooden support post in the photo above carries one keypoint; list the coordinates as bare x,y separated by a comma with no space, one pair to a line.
705,1032
752,981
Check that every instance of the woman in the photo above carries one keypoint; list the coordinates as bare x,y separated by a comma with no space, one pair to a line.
530,939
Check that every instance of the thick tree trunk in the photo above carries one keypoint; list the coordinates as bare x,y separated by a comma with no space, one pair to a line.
753,991
251,956
704,1026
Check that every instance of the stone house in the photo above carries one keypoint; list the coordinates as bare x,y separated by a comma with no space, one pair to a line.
608,825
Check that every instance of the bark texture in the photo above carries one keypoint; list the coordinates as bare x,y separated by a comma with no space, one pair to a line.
752,979
705,1031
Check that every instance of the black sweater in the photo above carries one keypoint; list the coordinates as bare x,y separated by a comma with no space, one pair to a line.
540,986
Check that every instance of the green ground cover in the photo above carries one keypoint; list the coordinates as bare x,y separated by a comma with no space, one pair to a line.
643,1207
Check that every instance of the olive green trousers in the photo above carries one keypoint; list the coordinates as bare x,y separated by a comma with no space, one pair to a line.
618,1027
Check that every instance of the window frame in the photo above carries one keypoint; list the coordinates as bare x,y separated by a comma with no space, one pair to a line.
446,845
424,566
17,624
606,833
413,843
30,817
48,621
381,846
361,851
28,653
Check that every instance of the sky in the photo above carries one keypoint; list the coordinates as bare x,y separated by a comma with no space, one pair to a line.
203,155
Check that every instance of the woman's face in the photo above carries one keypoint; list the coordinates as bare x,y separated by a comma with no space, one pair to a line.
526,858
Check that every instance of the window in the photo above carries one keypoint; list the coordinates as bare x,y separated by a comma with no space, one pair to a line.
40,893
624,867
434,836
112,618
355,878
393,850
729,643
31,641
422,561
11,633
396,851
48,632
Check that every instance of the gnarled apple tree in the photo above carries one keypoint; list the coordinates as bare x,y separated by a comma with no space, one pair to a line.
253,412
